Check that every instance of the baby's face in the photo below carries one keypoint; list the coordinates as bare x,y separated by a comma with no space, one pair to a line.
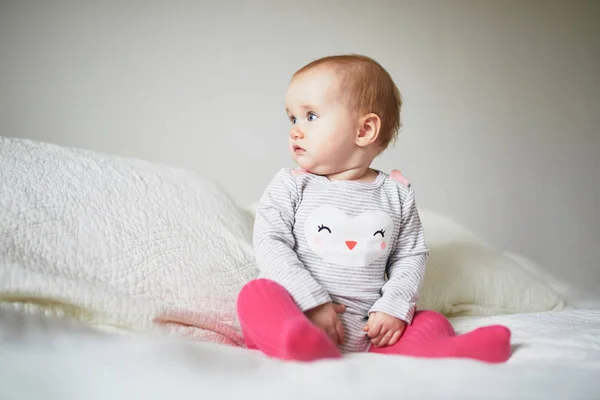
323,132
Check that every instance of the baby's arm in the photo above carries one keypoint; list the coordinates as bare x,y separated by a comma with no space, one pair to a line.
274,243
406,265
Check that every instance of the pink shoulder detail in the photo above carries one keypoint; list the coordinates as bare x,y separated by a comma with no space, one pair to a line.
299,172
397,176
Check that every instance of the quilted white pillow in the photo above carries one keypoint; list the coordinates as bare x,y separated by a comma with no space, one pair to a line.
120,242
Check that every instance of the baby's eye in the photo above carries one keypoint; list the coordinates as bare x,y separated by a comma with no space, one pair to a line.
311,116
381,232
292,119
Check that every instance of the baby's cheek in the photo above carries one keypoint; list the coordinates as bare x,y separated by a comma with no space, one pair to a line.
317,241
383,245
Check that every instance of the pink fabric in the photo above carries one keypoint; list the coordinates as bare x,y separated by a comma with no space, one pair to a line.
432,336
200,326
299,171
272,323
397,176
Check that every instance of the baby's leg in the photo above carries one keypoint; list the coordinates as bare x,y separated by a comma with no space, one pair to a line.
272,322
431,335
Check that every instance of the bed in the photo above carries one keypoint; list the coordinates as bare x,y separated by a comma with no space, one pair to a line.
118,279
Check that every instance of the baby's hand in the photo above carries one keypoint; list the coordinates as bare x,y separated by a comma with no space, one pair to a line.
383,329
326,317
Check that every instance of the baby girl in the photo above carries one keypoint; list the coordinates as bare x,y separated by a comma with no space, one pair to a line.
340,245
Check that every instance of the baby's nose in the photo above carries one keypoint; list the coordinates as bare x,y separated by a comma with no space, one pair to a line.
296,133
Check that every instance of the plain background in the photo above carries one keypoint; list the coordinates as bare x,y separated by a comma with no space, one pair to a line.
501,114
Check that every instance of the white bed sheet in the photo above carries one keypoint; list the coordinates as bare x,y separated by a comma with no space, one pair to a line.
557,356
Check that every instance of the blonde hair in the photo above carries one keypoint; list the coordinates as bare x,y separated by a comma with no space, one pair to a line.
369,88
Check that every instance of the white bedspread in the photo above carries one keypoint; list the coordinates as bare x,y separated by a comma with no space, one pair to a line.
557,356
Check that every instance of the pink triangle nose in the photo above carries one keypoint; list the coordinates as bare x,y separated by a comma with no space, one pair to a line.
350,244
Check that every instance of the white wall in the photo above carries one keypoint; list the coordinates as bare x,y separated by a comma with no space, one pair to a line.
500,122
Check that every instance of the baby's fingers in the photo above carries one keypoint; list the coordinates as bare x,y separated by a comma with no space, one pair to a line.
340,332
374,330
375,341
385,339
339,308
332,333
395,338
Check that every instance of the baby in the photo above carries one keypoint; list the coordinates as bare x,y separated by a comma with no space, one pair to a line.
328,234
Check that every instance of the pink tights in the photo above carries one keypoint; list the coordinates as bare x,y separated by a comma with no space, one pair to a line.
272,323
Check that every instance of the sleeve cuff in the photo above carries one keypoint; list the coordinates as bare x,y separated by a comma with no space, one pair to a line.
396,308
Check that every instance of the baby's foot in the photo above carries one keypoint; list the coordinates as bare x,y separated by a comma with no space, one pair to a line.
489,344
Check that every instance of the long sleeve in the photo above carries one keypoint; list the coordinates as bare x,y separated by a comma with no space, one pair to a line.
274,243
406,266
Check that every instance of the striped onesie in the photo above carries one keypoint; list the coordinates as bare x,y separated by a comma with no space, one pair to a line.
335,241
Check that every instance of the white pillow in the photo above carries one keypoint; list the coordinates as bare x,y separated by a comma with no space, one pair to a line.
467,276
120,242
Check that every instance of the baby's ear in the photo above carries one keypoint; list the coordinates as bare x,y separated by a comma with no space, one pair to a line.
368,130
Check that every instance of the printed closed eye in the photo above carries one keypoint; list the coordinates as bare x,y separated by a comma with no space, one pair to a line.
322,227
380,232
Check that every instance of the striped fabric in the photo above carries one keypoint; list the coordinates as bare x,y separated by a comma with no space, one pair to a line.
335,241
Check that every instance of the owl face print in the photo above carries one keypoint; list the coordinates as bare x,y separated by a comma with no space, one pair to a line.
348,241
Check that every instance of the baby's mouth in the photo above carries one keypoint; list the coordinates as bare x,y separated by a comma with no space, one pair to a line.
298,149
